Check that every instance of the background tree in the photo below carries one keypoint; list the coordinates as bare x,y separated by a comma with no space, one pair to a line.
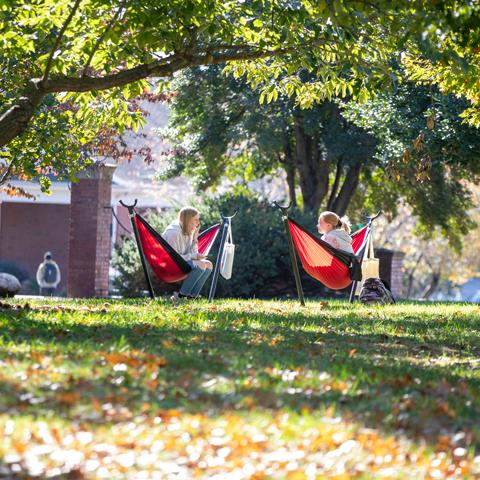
434,172
430,264
68,59
220,127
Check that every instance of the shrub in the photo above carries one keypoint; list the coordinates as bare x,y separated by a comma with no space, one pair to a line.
262,265
14,269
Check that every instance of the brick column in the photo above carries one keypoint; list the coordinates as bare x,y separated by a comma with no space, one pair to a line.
90,232
391,269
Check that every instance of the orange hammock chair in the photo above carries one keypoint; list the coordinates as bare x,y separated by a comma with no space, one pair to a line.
320,260
333,268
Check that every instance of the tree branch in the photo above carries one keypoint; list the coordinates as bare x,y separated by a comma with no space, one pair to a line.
16,119
336,183
59,39
350,184
165,67
102,36
6,174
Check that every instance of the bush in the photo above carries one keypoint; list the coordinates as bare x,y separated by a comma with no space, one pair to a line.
262,265
13,269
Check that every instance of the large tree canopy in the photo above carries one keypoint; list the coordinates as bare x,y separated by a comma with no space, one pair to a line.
410,146
72,65
431,157
218,129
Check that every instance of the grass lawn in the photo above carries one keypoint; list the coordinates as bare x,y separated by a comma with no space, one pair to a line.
239,389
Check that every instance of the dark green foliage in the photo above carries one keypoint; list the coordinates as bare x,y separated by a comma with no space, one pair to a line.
430,157
219,127
14,269
262,265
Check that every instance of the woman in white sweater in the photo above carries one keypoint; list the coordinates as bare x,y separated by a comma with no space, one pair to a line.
336,231
182,235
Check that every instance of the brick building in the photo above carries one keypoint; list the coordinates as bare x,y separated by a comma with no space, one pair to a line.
72,221
75,225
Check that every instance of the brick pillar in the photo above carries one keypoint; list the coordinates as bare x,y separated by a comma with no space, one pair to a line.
391,269
90,232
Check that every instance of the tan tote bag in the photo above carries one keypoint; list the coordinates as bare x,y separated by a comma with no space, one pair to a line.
370,265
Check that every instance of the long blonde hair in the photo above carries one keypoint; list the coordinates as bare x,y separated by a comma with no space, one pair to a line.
184,217
333,219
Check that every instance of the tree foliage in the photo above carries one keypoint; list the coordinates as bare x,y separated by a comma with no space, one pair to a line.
81,61
431,157
218,128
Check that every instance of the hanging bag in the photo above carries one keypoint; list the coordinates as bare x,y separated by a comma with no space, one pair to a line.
370,265
226,263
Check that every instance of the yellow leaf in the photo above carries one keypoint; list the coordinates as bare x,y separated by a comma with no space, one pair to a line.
431,121
68,398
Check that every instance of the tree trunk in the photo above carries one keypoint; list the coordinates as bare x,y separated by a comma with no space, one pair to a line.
16,119
434,282
350,184
289,165
312,168
336,183
410,275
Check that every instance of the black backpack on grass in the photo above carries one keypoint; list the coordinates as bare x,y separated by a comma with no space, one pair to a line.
375,291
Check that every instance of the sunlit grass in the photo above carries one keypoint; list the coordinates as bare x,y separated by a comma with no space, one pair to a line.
246,388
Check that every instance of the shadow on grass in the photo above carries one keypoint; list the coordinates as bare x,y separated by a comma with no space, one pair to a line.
408,381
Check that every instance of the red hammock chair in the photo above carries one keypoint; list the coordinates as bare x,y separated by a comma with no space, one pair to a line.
168,265
326,264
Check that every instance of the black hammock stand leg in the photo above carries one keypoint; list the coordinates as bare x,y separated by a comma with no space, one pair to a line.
226,222
355,282
139,246
293,257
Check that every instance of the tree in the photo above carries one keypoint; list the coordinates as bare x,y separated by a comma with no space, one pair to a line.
430,264
218,127
69,67
430,173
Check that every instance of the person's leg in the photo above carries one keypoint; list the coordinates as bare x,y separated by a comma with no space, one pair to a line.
190,282
201,282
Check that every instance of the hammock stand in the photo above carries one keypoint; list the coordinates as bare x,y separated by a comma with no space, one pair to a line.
172,267
340,260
